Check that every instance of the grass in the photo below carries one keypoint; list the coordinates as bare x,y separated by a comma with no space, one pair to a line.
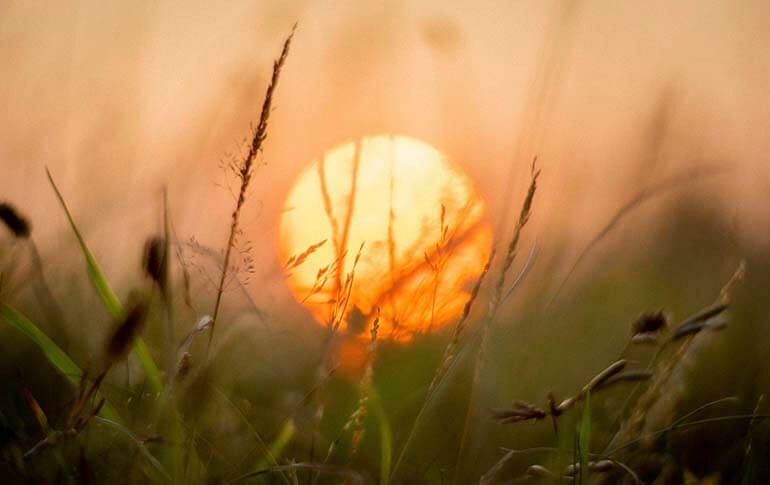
245,171
428,412
108,297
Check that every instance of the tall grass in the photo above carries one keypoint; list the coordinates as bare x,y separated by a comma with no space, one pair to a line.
244,171
186,422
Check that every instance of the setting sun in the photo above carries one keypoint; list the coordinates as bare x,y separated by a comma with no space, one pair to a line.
383,223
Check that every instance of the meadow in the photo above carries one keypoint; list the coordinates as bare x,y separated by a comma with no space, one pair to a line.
640,358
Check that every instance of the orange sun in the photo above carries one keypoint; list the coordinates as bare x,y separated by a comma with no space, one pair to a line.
383,224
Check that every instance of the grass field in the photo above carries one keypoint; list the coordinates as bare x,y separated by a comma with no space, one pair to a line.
640,358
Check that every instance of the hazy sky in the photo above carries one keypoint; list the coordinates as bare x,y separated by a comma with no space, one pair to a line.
119,99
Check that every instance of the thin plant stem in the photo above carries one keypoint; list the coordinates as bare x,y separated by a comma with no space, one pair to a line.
245,172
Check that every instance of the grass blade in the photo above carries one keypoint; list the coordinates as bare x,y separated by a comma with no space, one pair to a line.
139,444
52,352
584,440
283,439
148,364
275,450
637,200
267,450
386,437
108,297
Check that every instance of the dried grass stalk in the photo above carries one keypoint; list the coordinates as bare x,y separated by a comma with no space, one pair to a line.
655,408
497,300
245,172
510,254
299,259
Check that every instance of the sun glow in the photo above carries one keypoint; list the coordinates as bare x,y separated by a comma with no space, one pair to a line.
404,236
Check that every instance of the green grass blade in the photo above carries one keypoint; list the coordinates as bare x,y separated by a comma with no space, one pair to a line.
386,437
142,354
283,439
108,297
279,444
584,440
52,352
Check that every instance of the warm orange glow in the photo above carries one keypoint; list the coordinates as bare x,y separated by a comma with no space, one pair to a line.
422,229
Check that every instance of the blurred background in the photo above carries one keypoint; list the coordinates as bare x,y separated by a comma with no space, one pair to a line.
617,100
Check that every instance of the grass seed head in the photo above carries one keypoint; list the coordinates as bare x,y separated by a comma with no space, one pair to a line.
123,337
649,323
154,260
540,471
15,222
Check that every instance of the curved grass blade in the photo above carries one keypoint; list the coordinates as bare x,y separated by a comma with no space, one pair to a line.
386,437
139,444
275,450
108,297
637,200
52,352
346,474
268,450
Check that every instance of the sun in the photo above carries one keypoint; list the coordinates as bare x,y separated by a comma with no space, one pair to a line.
383,225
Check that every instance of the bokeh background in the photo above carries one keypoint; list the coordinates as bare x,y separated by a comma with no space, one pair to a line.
614,98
